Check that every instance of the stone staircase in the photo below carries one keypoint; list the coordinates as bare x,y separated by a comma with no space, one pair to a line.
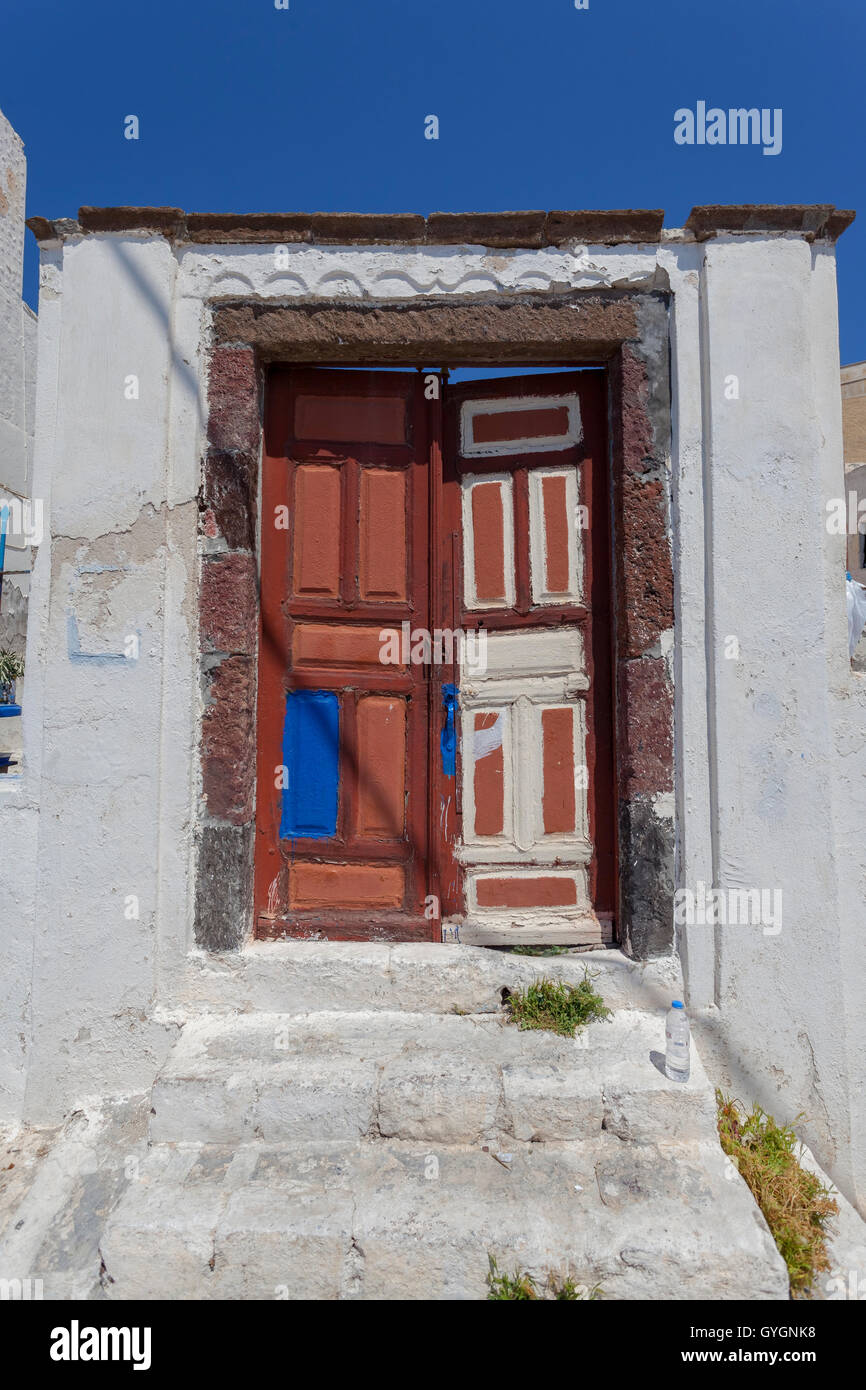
387,1146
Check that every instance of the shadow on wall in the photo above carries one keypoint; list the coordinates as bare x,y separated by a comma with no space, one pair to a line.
185,371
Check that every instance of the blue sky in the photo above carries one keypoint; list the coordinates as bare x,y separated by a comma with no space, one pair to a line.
243,107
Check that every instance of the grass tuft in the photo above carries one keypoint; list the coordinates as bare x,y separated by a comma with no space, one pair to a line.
520,1287
569,1292
795,1203
507,1288
557,1007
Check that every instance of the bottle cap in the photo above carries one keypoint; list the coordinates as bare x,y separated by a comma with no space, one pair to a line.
677,1004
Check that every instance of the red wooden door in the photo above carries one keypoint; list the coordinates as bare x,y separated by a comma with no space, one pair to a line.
342,811
530,834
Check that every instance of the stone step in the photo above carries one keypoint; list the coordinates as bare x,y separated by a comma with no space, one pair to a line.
383,1219
448,1079
420,977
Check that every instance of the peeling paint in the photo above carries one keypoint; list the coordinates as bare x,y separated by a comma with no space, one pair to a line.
486,741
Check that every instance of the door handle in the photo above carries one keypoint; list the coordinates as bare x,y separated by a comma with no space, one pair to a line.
448,736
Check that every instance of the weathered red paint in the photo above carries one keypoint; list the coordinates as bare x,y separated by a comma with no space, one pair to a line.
384,540
489,541
347,886
351,419
320,645
346,461
498,427
521,893
317,526
381,726
488,788
557,525
557,802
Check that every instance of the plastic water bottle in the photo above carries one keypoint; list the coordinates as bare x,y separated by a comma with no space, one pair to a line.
677,1043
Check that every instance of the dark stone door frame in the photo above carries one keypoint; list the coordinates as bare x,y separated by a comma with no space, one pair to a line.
624,331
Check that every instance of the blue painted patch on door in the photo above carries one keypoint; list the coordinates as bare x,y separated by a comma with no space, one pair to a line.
311,754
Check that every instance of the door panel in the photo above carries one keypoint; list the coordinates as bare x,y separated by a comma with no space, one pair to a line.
311,756
488,528
382,573
317,531
343,741
532,833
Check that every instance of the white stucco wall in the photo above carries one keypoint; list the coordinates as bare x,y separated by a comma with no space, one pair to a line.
770,750
778,1013
17,410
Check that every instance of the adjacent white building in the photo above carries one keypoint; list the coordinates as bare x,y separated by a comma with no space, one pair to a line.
17,406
